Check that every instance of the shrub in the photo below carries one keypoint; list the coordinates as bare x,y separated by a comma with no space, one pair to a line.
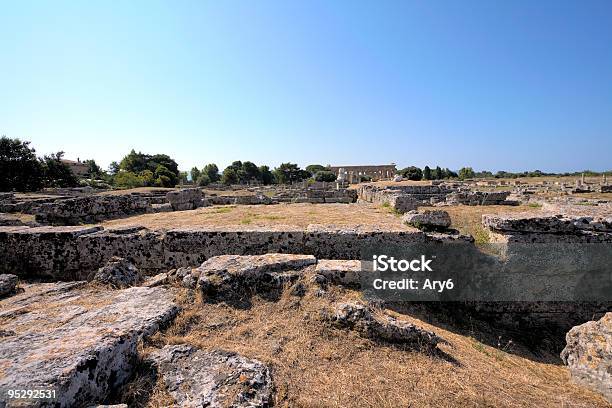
203,180
326,176
127,179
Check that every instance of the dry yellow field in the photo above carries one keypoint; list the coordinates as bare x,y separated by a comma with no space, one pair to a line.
316,365
297,215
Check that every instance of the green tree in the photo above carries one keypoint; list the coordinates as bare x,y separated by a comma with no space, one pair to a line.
164,181
114,168
19,168
265,175
229,176
127,179
212,171
288,173
169,178
57,173
315,168
137,162
412,173
427,173
448,173
249,172
147,177
195,174
326,176
203,180
438,174
93,169
466,173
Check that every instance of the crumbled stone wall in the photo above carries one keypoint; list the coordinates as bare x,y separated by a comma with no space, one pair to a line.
403,198
407,198
556,223
70,253
480,198
91,209
185,199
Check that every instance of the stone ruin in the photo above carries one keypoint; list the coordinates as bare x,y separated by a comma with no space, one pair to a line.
293,194
95,330
407,198
62,210
83,341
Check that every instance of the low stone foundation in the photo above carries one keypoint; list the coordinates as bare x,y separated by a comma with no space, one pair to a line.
72,253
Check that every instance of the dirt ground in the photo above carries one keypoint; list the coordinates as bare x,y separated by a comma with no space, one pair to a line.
298,215
316,365
467,219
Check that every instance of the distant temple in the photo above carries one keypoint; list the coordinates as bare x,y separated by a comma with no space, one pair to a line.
354,173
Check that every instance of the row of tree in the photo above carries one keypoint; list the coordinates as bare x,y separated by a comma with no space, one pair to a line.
22,170
247,172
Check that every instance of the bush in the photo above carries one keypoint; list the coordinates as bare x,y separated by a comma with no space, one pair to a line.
164,181
364,178
326,176
203,180
229,176
466,173
412,173
127,179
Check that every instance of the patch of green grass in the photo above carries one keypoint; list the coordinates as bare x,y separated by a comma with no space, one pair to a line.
534,205
222,210
481,236
386,204
272,217
480,347
246,220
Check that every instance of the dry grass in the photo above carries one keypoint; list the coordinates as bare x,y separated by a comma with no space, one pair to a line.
296,215
316,365
468,219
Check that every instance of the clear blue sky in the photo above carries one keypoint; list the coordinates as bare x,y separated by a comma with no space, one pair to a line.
498,85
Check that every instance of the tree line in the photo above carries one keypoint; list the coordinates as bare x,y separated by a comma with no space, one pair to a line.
22,170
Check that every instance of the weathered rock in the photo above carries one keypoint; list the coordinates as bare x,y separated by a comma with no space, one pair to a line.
339,271
589,354
78,340
429,219
228,274
379,326
157,280
72,253
163,207
119,273
190,281
89,209
197,378
8,283
185,199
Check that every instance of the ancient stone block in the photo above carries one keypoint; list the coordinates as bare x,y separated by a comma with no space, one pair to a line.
8,284
118,273
198,378
379,326
589,354
79,341
339,272
429,219
226,275
185,199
